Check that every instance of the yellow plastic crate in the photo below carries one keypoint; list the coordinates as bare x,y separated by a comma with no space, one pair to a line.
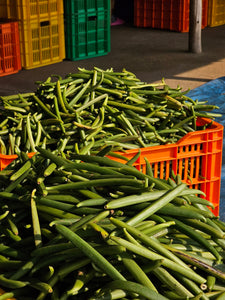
42,42
30,9
216,13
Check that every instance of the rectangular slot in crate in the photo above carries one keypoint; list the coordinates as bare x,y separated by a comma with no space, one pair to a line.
30,9
166,14
216,13
87,35
10,61
42,42
197,158
85,6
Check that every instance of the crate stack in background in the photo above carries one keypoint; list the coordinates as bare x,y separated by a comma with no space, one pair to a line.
216,13
10,61
166,14
87,28
41,30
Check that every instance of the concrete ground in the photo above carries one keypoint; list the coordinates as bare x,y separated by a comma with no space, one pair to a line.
149,53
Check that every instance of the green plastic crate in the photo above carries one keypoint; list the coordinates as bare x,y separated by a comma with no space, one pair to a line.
85,6
87,35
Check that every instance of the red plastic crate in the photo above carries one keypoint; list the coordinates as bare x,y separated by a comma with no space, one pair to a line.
197,158
166,14
10,61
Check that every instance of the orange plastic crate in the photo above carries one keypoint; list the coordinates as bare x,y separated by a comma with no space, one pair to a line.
197,158
5,160
30,9
216,13
166,14
42,41
10,61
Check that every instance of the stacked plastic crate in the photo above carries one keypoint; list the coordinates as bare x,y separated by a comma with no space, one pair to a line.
197,158
41,28
216,13
87,28
10,61
166,14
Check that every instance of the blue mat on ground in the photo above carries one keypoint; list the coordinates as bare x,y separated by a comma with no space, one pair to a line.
214,93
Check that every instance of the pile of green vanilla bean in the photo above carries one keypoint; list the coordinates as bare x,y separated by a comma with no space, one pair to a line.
87,227
94,109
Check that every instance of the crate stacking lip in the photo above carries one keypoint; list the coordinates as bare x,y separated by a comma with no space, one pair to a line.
42,41
216,13
10,61
87,35
166,14
30,9
197,158
85,6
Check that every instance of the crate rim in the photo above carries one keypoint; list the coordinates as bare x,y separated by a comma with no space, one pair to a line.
182,141
218,127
